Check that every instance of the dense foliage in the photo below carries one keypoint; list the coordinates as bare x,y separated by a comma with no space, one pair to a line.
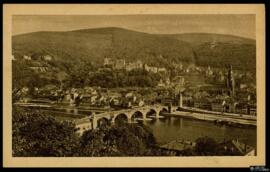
80,75
118,140
114,79
24,76
38,134
220,50
206,146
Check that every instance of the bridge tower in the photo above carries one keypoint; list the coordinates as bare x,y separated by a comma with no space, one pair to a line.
157,112
230,81
170,107
180,101
112,119
94,121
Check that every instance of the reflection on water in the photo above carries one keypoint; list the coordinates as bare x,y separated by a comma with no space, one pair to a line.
173,128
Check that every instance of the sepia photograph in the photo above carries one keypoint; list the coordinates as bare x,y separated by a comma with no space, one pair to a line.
157,85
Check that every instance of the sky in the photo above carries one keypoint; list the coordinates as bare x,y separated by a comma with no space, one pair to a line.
238,25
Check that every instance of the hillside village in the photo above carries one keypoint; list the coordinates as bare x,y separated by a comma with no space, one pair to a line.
201,87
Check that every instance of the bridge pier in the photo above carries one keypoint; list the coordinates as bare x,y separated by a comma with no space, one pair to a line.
180,101
170,108
129,120
157,113
112,119
94,122
144,115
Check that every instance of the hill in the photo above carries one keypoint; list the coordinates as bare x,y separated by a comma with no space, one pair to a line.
200,38
93,45
219,50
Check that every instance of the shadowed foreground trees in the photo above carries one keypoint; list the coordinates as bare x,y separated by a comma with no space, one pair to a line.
38,134
124,140
35,134
206,146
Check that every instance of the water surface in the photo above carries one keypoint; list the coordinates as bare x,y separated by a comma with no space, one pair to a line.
168,129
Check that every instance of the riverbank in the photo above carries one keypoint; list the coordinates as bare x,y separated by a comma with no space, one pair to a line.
219,118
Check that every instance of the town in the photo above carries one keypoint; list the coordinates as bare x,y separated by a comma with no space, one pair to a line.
221,90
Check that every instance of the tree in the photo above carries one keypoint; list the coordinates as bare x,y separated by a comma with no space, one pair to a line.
206,146
117,140
35,134
38,134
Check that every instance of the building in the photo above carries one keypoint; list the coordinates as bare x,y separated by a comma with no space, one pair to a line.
208,71
104,69
251,109
92,99
134,65
202,104
180,66
161,84
82,125
13,57
230,81
236,148
167,82
220,77
129,94
217,105
41,69
130,66
140,103
139,64
120,64
179,80
243,86
25,57
46,57
150,69
38,67
108,62
213,44
162,69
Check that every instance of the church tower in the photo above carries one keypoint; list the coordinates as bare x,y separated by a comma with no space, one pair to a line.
230,81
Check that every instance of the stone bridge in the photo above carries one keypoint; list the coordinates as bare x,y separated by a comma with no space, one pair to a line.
127,115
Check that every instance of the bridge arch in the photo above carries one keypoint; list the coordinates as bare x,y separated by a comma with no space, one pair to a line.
121,119
101,122
163,109
152,112
138,116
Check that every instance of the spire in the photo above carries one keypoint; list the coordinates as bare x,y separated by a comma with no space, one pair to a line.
230,81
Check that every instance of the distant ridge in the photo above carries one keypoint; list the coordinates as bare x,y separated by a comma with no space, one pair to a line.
107,30
197,38
95,44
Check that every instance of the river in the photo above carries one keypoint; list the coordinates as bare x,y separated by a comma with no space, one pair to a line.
172,128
